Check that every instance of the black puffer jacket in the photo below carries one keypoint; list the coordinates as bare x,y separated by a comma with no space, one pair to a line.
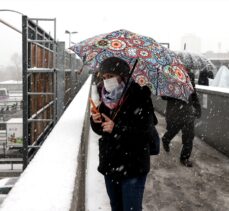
125,152
180,111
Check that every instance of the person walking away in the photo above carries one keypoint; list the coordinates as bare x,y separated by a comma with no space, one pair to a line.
203,77
124,123
181,116
210,74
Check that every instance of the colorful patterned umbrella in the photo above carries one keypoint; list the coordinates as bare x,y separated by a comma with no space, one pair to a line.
157,67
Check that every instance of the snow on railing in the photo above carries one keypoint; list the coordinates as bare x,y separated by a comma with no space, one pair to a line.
213,89
48,183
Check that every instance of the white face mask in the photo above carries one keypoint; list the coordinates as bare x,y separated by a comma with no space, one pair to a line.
110,84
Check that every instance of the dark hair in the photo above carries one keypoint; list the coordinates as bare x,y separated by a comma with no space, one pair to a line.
115,65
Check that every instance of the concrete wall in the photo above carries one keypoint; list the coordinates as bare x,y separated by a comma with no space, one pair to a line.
213,126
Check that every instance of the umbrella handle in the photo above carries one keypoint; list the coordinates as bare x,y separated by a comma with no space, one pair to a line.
128,80
135,63
125,90
131,72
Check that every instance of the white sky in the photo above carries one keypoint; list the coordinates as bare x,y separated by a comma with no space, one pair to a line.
164,20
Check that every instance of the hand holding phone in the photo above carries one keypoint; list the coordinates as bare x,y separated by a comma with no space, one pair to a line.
94,108
96,116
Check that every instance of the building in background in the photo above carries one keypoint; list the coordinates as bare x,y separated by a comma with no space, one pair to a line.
12,86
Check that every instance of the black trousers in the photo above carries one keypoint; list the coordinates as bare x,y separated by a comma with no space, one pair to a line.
187,129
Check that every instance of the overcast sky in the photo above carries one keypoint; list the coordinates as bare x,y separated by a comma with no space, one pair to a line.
164,20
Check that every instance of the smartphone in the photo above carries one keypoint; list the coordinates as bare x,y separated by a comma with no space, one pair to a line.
94,108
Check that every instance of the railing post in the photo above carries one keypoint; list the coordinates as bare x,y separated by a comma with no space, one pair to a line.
25,89
60,79
73,75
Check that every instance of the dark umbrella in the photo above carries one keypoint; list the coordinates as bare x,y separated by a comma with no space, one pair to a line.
195,61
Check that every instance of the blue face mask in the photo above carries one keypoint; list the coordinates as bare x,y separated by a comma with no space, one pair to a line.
111,84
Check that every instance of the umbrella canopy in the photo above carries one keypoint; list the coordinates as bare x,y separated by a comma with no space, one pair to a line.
195,61
157,67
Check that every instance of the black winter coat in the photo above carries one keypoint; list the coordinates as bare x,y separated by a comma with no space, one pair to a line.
180,111
125,152
203,78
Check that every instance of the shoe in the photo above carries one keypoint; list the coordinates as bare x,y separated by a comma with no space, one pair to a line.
166,146
186,162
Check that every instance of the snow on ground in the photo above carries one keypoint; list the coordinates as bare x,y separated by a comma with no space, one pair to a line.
96,196
173,187
213,88
11,82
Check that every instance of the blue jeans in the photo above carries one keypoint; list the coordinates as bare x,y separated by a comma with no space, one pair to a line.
125,194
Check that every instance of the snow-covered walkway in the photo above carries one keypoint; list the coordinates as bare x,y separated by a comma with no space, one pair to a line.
170,186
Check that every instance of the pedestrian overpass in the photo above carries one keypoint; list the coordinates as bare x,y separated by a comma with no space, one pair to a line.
61,152
63,176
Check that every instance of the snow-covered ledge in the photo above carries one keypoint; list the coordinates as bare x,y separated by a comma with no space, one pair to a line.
49,181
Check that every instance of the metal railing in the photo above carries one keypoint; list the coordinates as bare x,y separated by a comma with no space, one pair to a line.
50,82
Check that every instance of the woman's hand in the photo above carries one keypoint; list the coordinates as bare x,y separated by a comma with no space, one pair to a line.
107,124
97,118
